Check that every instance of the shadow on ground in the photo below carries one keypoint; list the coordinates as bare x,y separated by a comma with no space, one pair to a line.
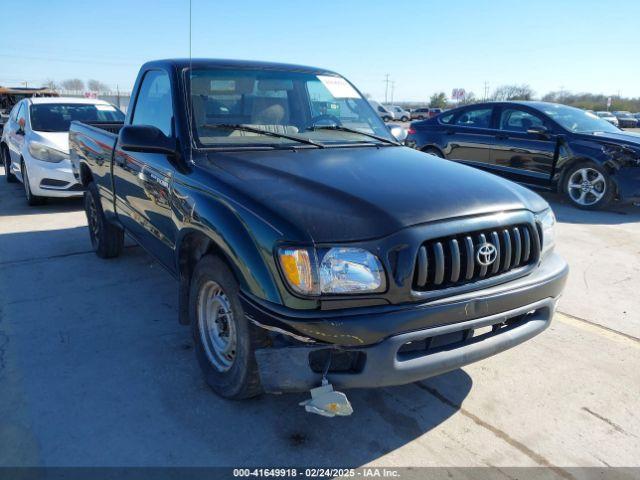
614,214
97,371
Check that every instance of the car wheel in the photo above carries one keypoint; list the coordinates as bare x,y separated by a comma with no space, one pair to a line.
6,160
433,151
588,186
386,119
225,341
404,119
420,117
107,239
32,200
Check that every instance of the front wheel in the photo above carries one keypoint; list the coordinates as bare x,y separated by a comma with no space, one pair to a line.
106,238
588,186
32,200
225,341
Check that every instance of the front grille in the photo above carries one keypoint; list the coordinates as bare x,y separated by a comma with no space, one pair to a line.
452,261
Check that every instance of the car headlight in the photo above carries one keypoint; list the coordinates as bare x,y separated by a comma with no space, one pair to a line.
547,221
46,154
334,271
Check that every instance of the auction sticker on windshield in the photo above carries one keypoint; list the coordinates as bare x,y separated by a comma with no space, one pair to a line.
338,87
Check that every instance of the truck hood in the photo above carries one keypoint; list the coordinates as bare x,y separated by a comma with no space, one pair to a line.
360,193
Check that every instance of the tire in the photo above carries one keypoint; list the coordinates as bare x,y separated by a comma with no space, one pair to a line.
420,117
6,160
32,200
224,345
386,119
106,238
588,186
404,119
433,151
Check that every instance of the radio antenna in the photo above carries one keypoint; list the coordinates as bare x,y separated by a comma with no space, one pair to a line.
190,109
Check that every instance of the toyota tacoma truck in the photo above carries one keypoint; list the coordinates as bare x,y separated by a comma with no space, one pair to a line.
306,242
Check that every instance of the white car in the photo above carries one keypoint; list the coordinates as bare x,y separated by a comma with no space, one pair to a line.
35,143
383,112
609,117
399,113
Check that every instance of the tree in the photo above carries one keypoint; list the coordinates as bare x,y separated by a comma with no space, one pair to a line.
51,84
97,86
513,92
468,99
438,100
74,84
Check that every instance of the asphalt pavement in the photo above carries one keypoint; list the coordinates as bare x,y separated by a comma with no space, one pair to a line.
96,370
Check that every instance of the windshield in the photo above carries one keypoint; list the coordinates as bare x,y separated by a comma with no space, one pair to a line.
577,120
291,104
56,117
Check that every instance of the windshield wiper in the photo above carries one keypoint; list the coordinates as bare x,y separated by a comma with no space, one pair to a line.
248,128
353,130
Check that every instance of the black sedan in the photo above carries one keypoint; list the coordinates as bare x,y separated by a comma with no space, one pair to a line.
539,144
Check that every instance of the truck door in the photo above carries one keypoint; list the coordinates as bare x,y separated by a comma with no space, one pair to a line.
142,181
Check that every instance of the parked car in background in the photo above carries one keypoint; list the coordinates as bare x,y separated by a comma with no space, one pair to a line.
543,145
626,119
35,143
419,113
637,116
609,117
422,113
310,246
385,113
400,113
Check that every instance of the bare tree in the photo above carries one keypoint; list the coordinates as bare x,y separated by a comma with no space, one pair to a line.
97,86
51,84
513,92
74,84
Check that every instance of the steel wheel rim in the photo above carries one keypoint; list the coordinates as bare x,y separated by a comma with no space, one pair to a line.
587,186
94,224
216,326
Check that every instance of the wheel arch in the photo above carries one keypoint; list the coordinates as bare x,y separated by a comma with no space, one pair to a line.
565,168
240,255
86,176
431,146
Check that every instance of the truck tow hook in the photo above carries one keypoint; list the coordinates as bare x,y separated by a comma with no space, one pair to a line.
327,402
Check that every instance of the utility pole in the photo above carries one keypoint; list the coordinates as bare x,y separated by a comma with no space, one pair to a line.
118,95
393,87
386,88
486,90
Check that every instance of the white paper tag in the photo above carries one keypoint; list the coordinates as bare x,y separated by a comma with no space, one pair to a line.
105,108
338,87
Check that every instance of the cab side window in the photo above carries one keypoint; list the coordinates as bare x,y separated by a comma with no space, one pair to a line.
516,120
154,105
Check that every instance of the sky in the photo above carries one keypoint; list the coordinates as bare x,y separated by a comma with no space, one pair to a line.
425,46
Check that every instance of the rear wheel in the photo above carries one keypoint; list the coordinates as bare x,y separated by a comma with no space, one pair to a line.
588,186
404,119
32,199
6,160
225,341
107,239
386,119
433,151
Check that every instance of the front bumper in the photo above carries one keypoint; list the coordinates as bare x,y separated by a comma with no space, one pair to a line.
49,179
395,345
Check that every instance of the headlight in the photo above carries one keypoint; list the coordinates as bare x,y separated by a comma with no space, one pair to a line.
338,270
547,221
46,154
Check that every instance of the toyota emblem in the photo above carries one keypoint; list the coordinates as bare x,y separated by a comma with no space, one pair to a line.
487,254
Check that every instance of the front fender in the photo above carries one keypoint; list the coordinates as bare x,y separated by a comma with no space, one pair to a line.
239,238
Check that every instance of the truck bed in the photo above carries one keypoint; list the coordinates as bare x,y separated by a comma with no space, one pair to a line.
93,144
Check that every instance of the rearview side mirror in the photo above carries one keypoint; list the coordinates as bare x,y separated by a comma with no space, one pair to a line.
146,139
21,125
